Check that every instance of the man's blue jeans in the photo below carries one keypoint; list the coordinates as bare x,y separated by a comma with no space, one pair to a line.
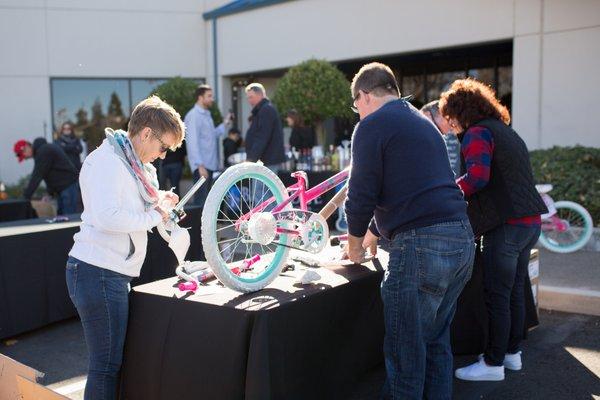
505,251
427,270
101,299
69,200
171,172
202,193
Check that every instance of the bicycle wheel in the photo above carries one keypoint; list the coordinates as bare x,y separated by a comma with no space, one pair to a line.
229,240
578,230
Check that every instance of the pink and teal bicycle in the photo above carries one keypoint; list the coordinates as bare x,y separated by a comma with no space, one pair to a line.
250,224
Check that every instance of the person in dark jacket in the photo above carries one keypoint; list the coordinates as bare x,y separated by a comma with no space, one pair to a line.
504,208
171,169
231,145
302,137
401,188
70,143
52,165
264,138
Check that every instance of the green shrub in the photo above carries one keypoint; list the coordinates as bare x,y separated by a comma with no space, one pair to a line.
317,90
574,172
179,93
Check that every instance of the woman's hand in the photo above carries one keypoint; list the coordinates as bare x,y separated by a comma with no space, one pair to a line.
163,213
169,199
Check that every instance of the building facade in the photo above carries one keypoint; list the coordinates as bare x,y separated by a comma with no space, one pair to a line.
60,56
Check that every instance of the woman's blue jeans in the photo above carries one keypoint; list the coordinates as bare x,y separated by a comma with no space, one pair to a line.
101,299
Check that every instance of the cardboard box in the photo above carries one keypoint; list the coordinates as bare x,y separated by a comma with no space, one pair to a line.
534,264
19,382
534,290
33,391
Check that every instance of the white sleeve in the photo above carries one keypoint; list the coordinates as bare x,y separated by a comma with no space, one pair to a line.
106,191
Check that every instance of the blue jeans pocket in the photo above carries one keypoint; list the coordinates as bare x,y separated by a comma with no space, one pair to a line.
71,277
436,267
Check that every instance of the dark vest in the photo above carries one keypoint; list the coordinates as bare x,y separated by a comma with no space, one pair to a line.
510,192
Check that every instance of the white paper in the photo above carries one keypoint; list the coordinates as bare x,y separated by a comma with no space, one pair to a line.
180,242
309,276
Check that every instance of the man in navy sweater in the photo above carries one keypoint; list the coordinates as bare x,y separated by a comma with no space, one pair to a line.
402,188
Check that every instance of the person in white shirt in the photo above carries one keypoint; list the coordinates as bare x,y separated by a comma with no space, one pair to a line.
121,203
202,142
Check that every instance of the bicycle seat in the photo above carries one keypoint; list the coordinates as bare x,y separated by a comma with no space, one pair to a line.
544,188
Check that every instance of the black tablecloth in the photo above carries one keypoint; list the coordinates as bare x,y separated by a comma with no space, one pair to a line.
33,253
13,210
284,342
287,341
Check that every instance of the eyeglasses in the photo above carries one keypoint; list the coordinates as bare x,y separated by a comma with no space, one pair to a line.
354,100
163,146
387,86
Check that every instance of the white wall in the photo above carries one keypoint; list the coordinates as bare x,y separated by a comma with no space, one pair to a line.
555,72
555,61
285,34
84,38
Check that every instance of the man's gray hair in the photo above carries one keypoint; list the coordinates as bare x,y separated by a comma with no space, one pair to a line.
432,108
256,88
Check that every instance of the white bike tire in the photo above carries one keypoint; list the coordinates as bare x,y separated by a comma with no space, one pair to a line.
589,227
209,226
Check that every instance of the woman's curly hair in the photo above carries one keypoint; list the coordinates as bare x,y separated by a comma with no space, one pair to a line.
470,101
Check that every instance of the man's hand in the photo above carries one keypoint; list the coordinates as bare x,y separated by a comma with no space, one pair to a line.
228,119
370,242
203,171
354,250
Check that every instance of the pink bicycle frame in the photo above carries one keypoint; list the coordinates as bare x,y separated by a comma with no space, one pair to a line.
298,191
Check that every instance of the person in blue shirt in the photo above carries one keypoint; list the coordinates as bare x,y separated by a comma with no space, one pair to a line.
202,140
401,187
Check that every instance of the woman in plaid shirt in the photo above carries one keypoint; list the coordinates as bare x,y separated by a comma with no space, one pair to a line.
504,209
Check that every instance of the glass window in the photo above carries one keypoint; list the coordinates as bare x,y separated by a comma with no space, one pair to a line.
414,85
505,86
438,83
485,75
91,105
82,100
141,88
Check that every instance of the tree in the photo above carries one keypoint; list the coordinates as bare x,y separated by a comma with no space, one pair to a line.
179,93
82,117
97,114
317,90
94,133
114,107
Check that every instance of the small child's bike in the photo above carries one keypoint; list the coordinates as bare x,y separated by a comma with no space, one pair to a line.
249,224
567,226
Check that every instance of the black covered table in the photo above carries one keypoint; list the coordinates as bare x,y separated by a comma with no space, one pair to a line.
33,253
16,209
287,341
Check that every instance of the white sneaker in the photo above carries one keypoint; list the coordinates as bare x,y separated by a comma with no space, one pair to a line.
511,361
480,371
